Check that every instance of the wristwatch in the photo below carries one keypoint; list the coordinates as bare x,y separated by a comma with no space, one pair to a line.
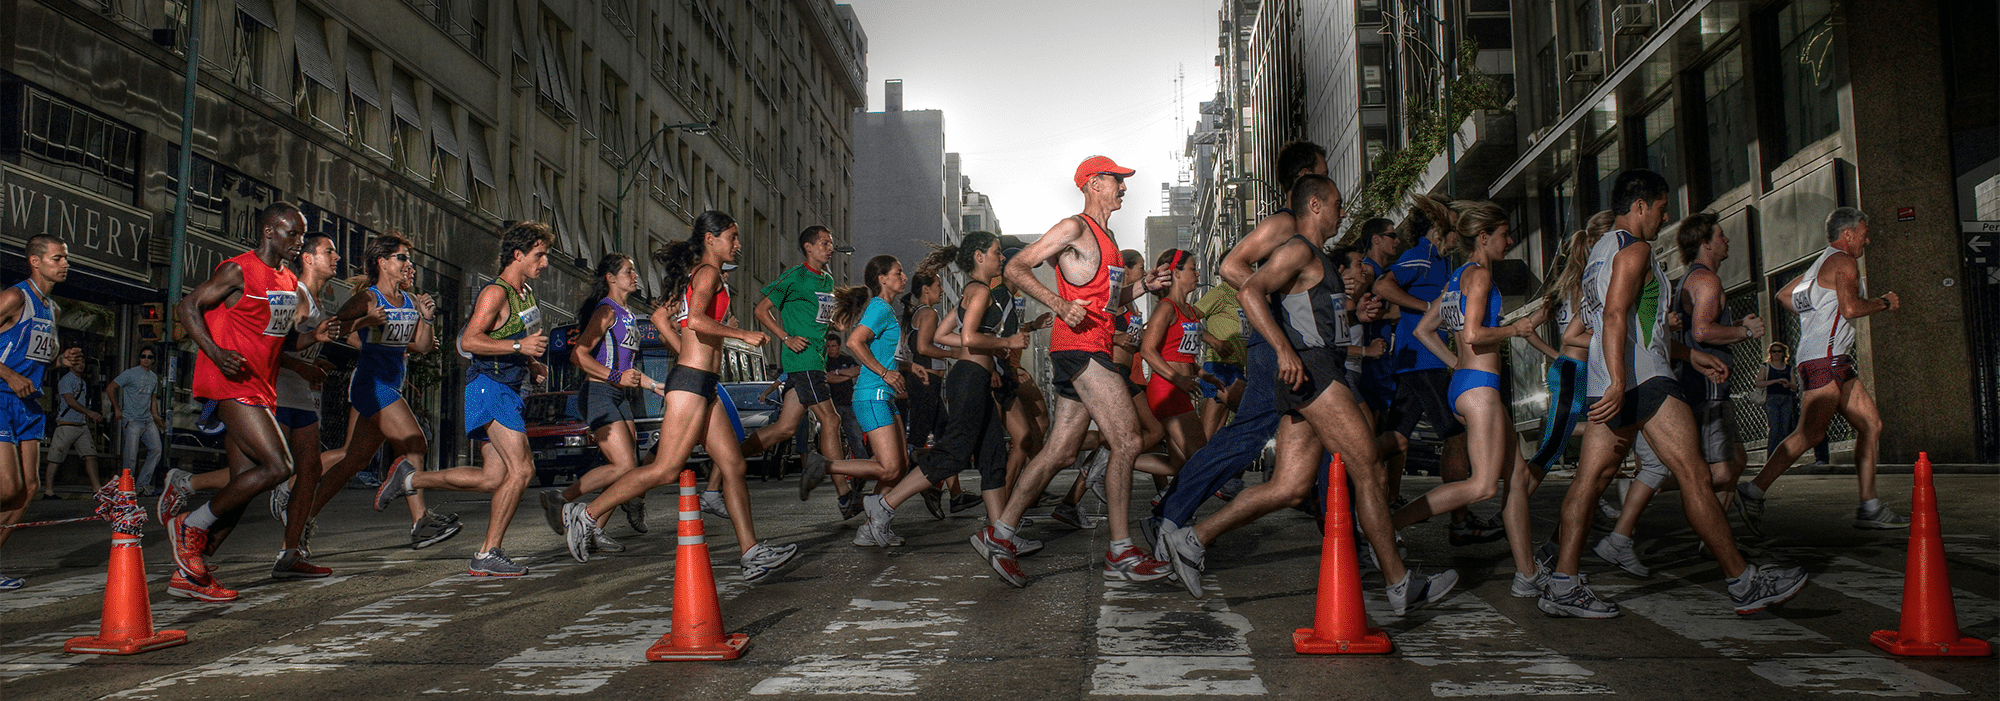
517,346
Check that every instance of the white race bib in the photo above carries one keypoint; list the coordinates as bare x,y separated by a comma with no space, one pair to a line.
1117,275
1190,338
826,304
41,340
399,327
1452,311
284,307
531,320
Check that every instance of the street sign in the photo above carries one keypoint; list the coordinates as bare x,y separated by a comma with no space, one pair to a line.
1906,214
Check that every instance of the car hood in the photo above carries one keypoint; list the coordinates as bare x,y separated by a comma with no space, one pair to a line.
567,428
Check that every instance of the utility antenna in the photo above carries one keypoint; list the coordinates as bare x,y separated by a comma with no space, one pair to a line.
1183,161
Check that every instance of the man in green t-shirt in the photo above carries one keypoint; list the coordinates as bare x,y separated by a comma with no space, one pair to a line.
796,310
1222,360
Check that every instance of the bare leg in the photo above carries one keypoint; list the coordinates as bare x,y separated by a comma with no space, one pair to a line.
1488,442
1515,516
1859,408
17,482
1816,409
682,408
620,447
306,475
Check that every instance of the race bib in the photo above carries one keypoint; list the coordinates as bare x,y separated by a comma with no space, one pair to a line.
1117,275
41,341
681,317
1190,338
1452,312
902,354
1802,299
630,338
531,320
284,307
399,327
826,304
1342,335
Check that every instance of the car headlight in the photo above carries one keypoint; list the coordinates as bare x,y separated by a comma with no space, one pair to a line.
572,441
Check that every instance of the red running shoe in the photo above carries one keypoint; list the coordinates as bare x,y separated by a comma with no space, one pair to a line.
1132,565
188,545
206,590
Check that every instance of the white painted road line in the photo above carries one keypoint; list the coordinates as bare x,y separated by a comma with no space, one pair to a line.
922,624
1783,652
1517,666
1884,587
1154,641
43,594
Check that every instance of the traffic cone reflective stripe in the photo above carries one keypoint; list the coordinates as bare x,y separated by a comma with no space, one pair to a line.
1930,620
127,625
697,632
1340,623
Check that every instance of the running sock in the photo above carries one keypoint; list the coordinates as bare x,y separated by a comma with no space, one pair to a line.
1619,539
1119,545
1561,583
201,518
1004,531
410,483
1753,490
1871,506
704,492
1741,582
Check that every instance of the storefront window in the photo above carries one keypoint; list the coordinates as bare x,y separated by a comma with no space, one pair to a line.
1806,74
1725,103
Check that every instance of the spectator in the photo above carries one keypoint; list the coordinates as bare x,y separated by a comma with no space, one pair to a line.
1781,400
135,404
75,424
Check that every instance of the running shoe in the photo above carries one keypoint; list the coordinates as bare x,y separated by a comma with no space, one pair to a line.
1474,531
1414,593
602,542
186,587
188,544
965,500
292,565
1882,519
812,474
635,514
1578,602
713,505
396,485
1529,586
305,537
1758,588
494,563
1622,555
1069,515
578,530
1151,527
431,530
552,509
873,535
11,583
1230,489
999,555
1607,510
850,504
762,560
281,500
1131,565
934,502
876,528
1185,553
174,494
1025,546
1751,509
1398,503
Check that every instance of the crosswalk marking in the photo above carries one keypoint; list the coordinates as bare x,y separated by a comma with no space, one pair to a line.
1519,667
922,623
1149,643
43,594
1884,587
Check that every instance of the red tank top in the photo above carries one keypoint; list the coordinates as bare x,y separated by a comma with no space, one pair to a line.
1094,334
718,307
255,326
1183,339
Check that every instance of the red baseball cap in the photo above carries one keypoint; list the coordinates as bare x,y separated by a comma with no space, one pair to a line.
1099,164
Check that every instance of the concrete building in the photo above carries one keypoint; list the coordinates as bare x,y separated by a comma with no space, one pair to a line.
440,120
975,209
906,187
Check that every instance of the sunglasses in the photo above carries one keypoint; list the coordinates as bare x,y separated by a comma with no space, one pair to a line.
1120,179
401,257
147,356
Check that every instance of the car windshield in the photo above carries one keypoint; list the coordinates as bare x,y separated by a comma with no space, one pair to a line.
544,409
745,395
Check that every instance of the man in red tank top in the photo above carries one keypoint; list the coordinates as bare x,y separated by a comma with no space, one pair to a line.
1090,285
241,319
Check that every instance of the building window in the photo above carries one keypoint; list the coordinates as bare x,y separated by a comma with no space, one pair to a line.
1607,167
447,155
553,93
1374,143
1726,106
364,102
1368,12
1806,74
71,144
479,165
406,128
1662,151
256,50
315,82
1589,26
1374,93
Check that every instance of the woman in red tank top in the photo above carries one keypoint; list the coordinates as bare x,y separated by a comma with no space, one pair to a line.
1172,347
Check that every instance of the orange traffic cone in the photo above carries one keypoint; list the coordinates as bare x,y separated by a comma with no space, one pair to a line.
1340,624
1930,622
697,632
127,626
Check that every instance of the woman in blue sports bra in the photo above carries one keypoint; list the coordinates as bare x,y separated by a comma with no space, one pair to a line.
388,321
1469,307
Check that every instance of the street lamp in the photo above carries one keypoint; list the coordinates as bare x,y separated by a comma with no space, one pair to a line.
625,186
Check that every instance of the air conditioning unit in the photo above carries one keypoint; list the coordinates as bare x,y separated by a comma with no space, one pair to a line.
1540,134
1582,66
1635,19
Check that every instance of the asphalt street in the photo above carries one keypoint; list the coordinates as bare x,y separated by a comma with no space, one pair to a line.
929,620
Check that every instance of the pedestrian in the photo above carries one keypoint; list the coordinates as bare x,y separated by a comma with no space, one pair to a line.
1637,391
27,346
505,337
1828,298
76,424
795,310
235,378
1781,401
134,397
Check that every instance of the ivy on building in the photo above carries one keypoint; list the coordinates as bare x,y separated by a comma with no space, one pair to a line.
1430,120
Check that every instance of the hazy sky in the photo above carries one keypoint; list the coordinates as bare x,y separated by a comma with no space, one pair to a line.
1030,88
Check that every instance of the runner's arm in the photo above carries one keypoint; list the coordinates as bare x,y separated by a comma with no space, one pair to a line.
1628,270
703,285
587,340
1020,272
488,310
227,280
1427,334
1154,338
1845,275
926,323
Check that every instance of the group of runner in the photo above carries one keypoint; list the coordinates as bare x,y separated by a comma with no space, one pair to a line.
1328,351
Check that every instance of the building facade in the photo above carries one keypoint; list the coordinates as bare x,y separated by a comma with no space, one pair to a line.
441,121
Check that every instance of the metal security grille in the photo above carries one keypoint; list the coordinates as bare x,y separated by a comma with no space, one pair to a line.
1746,367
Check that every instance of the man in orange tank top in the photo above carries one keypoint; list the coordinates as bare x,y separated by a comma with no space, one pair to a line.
241,319
1089,278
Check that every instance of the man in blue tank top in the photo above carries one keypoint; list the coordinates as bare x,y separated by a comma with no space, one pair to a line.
27,345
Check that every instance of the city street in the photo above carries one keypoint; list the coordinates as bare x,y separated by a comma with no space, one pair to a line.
929,620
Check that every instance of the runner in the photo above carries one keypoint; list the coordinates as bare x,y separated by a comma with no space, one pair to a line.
1376,388
505,338
1221,356
1239,443
1628,366
605,349
1088,389
300,376
693,269
1298,295
240,319
388,321
1171,345
1709,327
1423,381
27,346
795,310
1828,298
875,340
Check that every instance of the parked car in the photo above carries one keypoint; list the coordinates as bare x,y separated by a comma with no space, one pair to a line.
563,445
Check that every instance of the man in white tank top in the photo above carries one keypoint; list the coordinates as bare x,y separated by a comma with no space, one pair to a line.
1829,298
1623,301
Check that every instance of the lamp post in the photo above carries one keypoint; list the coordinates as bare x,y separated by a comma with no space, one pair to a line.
625,186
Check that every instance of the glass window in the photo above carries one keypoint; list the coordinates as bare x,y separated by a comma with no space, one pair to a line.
1806,74
1561,213
1589,27
1372,91
1662,151
1490,32
1368,12
1725,104
1607,174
